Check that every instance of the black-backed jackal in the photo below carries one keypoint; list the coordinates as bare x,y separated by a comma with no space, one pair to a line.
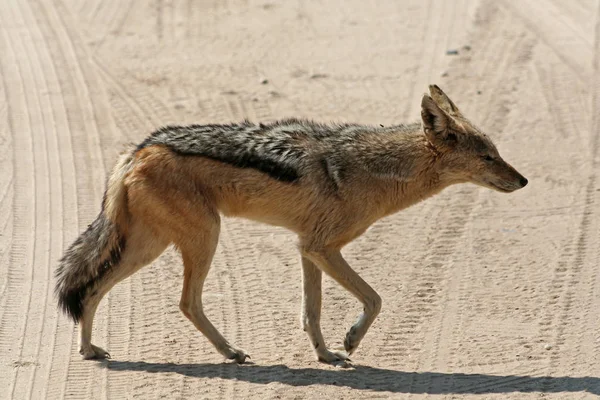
326,183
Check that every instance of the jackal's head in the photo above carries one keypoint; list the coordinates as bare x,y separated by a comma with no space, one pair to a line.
465,153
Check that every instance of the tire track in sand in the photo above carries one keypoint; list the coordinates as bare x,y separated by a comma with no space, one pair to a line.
43,337
27,315
591,345
7,182
29,216
577,335
62,332
571,275
88,157
542,18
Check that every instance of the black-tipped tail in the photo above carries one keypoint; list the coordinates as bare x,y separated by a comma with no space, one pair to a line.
87,261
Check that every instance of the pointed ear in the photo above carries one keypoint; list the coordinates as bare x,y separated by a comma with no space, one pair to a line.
435,122
443,101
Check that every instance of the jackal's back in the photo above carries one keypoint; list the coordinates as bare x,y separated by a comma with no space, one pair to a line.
285,150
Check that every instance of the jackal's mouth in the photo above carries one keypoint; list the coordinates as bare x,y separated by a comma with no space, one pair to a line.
503,187
503,190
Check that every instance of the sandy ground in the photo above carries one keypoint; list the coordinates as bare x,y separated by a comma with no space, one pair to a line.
485,295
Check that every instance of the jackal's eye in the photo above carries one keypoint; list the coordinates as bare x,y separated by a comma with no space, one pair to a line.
488,158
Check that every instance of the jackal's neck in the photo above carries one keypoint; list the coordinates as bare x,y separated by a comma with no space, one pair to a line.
400,153
404,169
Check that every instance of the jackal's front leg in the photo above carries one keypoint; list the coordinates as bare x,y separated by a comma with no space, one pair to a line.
311,312
333,264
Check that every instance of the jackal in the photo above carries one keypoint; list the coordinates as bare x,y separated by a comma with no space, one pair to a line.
326,183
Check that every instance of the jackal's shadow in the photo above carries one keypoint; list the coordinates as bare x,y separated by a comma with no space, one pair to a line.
371,378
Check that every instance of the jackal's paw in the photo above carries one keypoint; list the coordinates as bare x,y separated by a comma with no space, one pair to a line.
91,352
351,342
237,355
334,358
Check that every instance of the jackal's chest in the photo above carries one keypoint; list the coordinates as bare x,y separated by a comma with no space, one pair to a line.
409,194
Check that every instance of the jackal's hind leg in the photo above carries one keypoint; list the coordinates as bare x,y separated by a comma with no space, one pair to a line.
311,313
87,350
142,247
197,256
93,352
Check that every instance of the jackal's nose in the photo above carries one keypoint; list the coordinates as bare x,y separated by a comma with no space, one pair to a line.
523,182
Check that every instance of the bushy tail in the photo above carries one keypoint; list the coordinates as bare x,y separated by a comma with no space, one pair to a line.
97,250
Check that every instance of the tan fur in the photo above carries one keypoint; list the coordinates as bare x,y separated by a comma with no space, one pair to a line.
115,203
159,197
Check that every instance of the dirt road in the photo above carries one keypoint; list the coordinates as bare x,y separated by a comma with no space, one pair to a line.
484,295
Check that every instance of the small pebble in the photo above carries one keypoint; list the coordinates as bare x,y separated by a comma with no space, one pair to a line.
466,47
548,346
264,81
445,73
451,52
